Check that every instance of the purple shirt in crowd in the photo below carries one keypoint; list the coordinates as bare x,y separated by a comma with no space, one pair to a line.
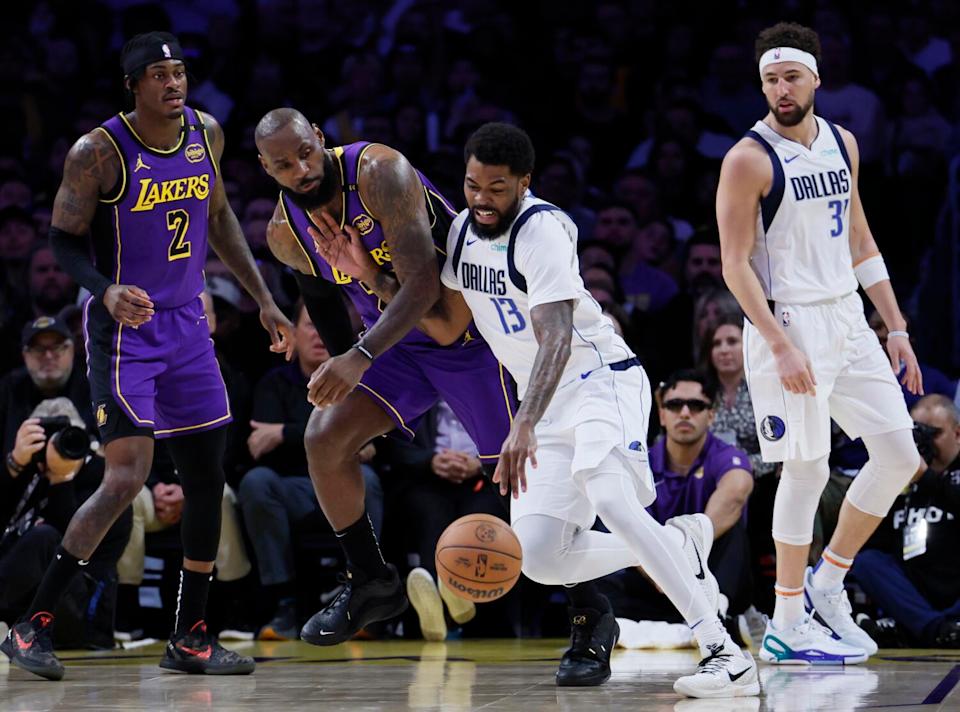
688,494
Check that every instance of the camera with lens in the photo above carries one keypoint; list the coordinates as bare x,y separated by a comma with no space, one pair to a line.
924,436
69,441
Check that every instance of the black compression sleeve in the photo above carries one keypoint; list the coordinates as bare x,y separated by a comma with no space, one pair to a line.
74,257
327,312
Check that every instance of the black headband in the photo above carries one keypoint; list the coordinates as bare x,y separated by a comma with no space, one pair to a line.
148,48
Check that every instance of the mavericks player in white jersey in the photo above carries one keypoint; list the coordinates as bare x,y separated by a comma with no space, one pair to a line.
577,446
795,244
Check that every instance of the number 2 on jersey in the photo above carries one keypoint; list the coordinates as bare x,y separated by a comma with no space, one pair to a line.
177,222
839,209
510,317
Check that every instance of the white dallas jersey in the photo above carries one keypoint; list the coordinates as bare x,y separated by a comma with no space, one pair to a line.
802,249
534,262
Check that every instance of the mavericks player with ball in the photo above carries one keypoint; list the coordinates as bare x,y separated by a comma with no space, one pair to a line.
795,243
582,424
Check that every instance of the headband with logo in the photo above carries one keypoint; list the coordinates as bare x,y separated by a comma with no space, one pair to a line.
148,48
788,54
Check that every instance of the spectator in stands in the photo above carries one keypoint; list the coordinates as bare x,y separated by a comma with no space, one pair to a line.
721,359
916,581
49,288
560,181
277,493
39,496
694,472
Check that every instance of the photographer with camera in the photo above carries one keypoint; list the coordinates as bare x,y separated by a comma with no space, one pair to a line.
49,470
916,581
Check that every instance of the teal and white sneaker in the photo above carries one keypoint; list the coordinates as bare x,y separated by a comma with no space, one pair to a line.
697,541
807,643
834,610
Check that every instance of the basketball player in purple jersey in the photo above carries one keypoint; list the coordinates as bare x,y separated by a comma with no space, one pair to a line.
146,186
395,372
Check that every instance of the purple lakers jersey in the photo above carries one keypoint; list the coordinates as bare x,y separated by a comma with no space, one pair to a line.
353,211
152,231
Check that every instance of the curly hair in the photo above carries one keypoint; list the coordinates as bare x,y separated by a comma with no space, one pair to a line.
500,144
788,34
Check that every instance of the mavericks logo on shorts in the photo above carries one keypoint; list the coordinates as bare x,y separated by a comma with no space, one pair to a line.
772,428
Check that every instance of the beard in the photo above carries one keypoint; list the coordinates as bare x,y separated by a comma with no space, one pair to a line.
492,232
321,194
794,117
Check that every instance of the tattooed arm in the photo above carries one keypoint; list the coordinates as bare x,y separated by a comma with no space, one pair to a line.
393,193
92,169
553,328
226,239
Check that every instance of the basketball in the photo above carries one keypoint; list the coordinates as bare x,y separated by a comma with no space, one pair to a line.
479,558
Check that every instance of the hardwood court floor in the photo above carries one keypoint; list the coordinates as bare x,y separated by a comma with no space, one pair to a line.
467,675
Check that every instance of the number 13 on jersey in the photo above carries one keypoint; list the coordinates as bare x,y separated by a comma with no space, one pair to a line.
510,317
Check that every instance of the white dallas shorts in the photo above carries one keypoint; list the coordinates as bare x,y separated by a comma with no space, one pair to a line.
586,421
855,384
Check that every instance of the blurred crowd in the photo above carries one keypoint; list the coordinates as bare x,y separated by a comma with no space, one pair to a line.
631,105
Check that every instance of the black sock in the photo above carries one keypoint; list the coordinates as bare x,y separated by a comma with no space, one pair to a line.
55,581
359,543
586,595
191,599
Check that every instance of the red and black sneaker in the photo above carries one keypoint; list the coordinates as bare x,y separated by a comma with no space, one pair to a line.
29,645
199,653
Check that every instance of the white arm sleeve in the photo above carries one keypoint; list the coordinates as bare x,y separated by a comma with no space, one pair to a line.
546,256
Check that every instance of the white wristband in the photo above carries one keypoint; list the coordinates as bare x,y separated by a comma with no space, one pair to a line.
904,334
871,271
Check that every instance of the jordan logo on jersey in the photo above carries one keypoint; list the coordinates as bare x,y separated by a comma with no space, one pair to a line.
820,185
141,164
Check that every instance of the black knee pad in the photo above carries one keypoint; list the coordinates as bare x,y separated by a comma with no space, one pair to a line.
199,462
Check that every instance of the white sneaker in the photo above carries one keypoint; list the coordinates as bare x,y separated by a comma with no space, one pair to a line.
834,610
460,609
807,643
425,598
697,541
728,672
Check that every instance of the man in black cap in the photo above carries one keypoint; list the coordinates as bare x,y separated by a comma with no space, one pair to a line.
39,494
146,186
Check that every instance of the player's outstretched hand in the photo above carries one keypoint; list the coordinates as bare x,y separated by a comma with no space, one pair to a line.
901,354
795,370
128,305
336,378
520,444
342,248
280,330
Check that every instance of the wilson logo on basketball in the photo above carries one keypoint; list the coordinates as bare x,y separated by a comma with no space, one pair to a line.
486,533
363,223
195,153
481,569
475,593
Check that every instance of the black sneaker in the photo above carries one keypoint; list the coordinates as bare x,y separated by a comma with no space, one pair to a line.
593,636
283,625
29,645
948,635
884,631
199,653
359,603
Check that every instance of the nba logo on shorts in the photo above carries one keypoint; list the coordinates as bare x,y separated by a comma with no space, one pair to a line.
785,318
772,428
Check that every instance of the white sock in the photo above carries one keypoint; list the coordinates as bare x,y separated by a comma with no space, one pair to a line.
788,609
710,633
829,572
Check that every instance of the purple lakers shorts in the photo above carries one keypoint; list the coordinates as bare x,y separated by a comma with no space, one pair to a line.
408,379
163,376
